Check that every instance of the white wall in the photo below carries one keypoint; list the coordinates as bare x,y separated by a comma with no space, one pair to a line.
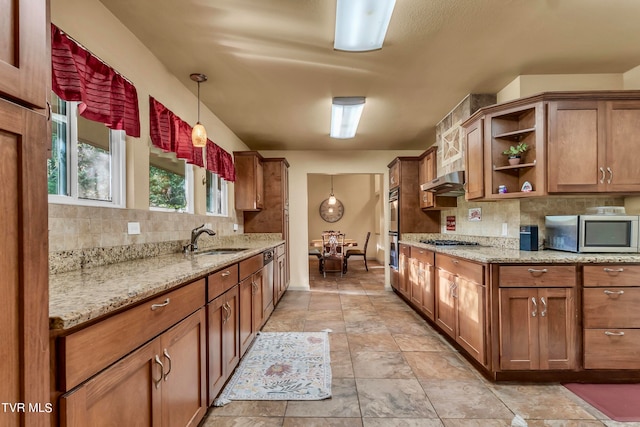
303,163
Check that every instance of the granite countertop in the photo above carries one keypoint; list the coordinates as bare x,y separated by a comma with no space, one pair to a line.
82,295
486,254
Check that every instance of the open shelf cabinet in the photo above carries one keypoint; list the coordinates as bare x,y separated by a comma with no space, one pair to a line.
510,127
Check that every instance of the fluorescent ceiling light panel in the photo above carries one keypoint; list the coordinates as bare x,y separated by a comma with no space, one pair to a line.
361,25
345,116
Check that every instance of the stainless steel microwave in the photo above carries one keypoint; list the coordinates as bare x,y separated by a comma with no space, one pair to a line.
592,233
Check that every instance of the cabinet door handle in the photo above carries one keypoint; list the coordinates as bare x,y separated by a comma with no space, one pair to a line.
544,307
613,270
602,177
534,313
230,311
610,175
455,288
226,274
608,292
154,307
49,111
227,310
533,270
157,383
614,334
166,354
455,261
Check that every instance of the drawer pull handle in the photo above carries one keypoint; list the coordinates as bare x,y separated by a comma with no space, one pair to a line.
614,334
544,307
157,383
613,270
154,307
455,261
608,292
533,270
602,172
226,273
166,354
534,313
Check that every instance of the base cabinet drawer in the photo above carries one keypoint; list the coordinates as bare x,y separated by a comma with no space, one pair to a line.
611,307
612,348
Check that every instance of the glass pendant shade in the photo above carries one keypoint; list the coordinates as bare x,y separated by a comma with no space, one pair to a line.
199,136
332,198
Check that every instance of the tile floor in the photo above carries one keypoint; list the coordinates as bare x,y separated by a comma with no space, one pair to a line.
390,368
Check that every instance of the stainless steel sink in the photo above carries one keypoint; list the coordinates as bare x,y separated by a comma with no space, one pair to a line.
221,251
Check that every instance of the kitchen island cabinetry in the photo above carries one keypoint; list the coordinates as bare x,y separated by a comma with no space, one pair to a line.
611,324
280,282
163,383
589,144
404,270
538,317
249,185
461,303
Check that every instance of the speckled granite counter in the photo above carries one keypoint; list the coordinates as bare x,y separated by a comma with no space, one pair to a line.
82,295
487,254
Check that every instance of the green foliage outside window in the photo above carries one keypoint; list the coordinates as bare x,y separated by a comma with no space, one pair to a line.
166,189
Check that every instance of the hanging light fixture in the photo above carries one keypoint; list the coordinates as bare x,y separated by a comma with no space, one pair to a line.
332,198
199,133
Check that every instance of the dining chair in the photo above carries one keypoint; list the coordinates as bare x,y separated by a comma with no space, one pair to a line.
358,252
332,253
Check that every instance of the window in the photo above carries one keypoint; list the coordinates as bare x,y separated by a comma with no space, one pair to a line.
169,179
87,159
217,200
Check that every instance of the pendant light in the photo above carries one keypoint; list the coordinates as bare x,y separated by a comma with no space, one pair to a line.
199,133
332,198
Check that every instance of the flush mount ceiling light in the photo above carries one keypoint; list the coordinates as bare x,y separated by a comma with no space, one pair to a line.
332,198
345,116
361,25
199,133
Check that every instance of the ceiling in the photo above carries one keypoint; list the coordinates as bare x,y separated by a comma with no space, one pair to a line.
273,71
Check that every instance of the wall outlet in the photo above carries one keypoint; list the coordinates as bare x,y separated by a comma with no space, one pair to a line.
235,227
133,227
505,229
208,225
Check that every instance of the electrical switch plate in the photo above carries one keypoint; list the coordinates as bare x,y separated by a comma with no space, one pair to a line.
504,229
235,227
133,227
207,225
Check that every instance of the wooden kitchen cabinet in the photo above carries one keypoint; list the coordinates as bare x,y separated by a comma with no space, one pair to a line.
427,171
512,126
223,321
611,326
589,144
474,159
274,215
404,270
426,281
162,383
24,80
280,275
538,324
251,287
249,185
394,175
461,304
411,217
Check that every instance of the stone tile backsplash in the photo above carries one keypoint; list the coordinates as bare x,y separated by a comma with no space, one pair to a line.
82,236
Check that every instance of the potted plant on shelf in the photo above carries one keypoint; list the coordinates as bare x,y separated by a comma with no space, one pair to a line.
515,151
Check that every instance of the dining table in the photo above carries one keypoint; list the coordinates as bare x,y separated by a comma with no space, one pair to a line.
317,243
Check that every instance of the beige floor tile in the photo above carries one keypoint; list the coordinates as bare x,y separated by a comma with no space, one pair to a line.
438,365
246,408
427,342
321,325
371,342
341,365
284,326
322,422
324,315
543,402
343,403
242,422
476,423
464,399
574,423
393,398
366,327
338,342
401,422
380,364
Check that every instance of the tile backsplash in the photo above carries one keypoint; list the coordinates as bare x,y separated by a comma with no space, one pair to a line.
82,236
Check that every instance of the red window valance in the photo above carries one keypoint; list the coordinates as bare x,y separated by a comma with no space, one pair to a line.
105,96
170,133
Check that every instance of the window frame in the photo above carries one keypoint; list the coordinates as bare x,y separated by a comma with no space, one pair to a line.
224,197
188,190
117,151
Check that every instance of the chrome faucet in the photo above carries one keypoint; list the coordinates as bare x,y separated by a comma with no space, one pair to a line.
195,233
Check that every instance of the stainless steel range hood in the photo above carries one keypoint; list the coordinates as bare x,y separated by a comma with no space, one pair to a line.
450,185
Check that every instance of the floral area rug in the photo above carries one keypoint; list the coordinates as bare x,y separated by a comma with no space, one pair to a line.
282,366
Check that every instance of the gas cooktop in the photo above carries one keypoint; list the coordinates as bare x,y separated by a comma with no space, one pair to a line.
444,242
